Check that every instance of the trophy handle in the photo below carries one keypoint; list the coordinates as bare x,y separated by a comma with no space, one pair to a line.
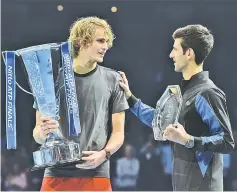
18,85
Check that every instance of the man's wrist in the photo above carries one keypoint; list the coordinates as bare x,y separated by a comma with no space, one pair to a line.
104,153
132,101
186,138
128,94
189,143
107,153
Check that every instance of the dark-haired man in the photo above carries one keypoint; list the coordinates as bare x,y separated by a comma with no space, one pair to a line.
204,130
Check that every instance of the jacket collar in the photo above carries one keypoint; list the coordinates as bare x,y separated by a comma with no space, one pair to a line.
194,80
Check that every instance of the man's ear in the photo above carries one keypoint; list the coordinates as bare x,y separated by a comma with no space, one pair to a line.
190,53
77,43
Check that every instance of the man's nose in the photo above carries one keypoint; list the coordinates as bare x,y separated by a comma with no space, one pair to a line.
171,55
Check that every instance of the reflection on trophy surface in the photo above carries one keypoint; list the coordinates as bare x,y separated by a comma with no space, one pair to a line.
167,110
43,73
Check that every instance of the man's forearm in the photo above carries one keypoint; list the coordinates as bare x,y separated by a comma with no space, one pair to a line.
117,137
144,112
220,143
115,142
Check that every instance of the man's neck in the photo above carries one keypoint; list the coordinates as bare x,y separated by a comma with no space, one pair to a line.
128,157
191,70
83,66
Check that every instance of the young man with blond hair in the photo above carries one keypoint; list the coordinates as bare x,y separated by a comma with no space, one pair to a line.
100,98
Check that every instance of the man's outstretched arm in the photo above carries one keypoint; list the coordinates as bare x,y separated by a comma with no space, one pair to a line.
144,112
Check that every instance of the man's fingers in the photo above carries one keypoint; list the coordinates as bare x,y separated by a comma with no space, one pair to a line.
51,122
166,132
173,129
47,125
48,128
44,118
46,132
89,158
47,120
169,130
168,127
81,166
123,76
122,85
121,72
88,152
176,125
86,165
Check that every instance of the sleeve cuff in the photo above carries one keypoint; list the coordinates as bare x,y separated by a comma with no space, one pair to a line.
197,142
132,101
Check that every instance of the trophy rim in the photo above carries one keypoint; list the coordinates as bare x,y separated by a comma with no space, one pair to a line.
19,52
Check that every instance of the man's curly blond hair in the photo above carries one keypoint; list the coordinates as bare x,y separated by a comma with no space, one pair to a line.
83,30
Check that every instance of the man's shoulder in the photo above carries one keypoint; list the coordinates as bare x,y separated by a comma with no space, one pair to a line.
214,90
122,160
208,88
108,70
111,74
213,94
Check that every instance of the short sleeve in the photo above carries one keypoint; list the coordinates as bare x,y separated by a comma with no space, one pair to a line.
118,99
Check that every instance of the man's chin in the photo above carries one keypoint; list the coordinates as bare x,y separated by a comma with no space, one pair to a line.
100,60
176,69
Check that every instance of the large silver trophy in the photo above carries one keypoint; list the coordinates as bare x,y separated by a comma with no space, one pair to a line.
167,110
43,74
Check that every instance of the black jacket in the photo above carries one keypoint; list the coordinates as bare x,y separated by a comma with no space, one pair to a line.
204,115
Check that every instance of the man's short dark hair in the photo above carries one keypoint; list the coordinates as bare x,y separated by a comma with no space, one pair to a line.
197,37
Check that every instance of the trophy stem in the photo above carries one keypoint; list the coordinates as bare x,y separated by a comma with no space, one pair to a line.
51,138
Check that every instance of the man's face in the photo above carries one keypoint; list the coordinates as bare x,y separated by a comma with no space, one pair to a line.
98,47
179,57
128,151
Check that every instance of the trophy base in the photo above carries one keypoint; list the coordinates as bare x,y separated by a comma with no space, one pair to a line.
158,134
56,154
36,167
